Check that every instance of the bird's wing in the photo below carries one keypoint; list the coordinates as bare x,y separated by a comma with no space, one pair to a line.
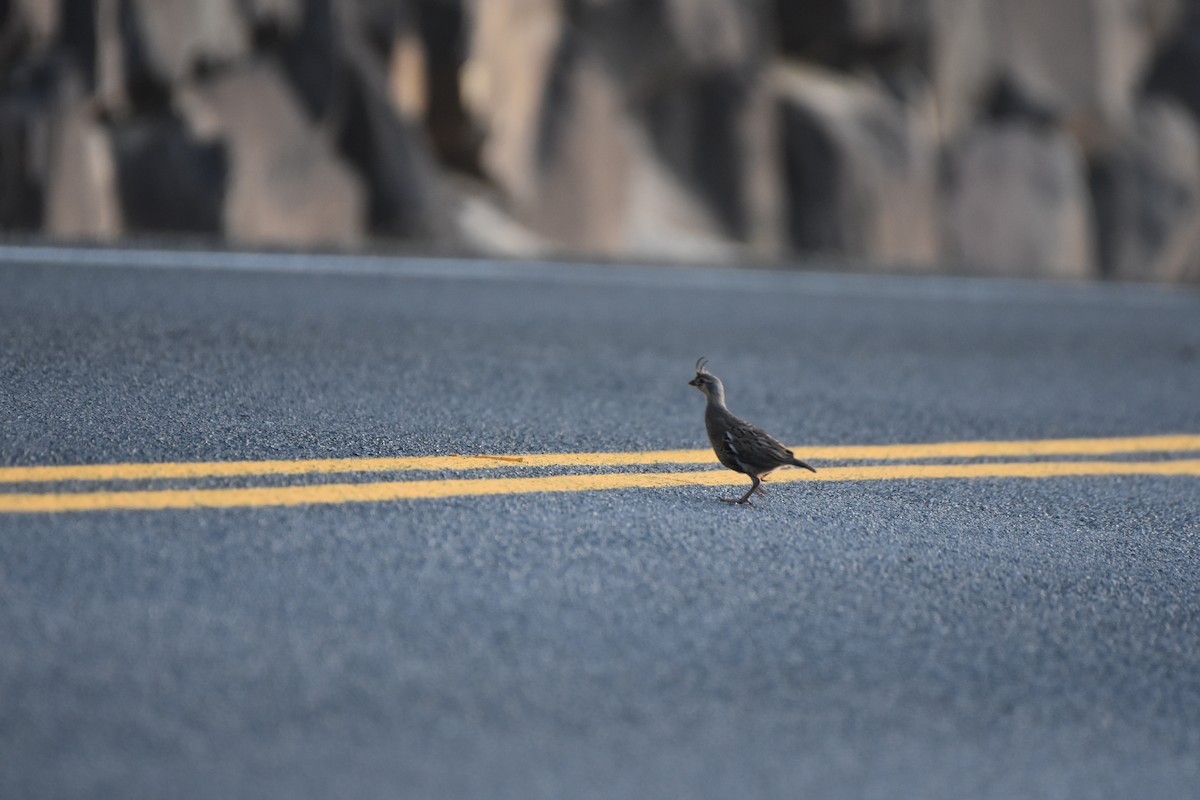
754,448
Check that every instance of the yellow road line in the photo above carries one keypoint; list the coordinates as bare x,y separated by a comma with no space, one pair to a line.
412,490
887,452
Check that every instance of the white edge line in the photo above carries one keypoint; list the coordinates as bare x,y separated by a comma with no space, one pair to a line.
801,282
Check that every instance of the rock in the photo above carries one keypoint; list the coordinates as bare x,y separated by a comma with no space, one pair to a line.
575,102
958,64
667,221
1017,203
408,79
169,39
1083,57
1147,196
829,31
169,180
24,126
714,34
717,133
338,61
30,66
665,128
505,80
692,75
111,85
279,16
389,152
43,114
932,53
37,22
311,59
1173,73
77,37
584,161
446,33
81,199
483,226
554,124
906,45
406,196
861,177
648,44
287,185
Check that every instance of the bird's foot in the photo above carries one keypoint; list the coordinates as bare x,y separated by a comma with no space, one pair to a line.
759,490
737,501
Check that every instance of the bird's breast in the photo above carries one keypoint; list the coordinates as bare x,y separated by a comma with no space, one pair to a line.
717,430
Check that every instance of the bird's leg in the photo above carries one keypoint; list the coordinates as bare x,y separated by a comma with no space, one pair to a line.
760,489
745,499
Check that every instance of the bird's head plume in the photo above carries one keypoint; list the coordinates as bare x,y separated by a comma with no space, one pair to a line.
706,382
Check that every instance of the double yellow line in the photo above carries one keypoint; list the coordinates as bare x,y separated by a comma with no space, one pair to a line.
1034,466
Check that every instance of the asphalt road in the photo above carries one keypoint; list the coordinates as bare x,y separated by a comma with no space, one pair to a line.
900,638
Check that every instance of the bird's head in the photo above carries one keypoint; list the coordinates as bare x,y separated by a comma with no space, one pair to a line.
706,382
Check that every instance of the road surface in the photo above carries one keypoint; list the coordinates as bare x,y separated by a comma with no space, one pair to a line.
991,588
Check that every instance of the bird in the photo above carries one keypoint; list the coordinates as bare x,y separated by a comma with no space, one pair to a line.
740,446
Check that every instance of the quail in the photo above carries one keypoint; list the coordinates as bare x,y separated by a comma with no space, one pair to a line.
739,445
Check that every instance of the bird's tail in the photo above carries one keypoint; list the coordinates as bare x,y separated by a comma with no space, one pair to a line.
800,463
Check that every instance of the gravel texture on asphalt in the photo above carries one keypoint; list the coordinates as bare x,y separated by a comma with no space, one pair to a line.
936,639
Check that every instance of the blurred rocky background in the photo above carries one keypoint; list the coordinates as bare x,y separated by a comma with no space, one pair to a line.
1016,137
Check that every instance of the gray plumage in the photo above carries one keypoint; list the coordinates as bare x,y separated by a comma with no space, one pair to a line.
740,446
